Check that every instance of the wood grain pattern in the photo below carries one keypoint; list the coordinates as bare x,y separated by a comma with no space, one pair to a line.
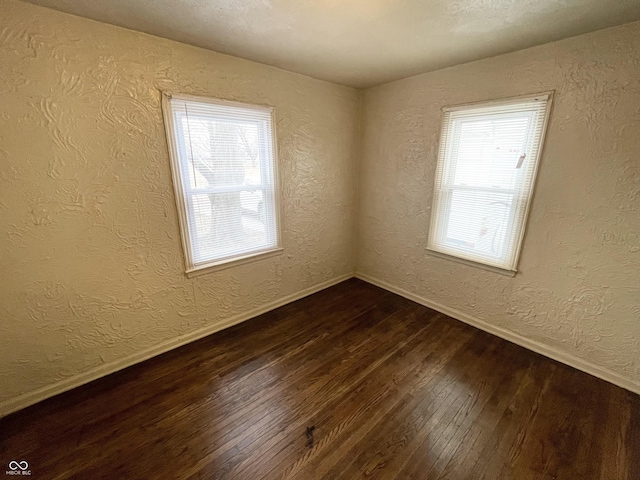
393,390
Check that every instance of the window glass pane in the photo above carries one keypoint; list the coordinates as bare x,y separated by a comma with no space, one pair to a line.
228,223
478,222
221,153
488,151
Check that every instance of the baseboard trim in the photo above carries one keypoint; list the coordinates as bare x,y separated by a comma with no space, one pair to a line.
30,398
547,351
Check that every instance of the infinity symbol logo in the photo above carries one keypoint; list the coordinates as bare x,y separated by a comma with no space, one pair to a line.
23,465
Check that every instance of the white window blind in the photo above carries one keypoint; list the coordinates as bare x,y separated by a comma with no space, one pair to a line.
224,171
487,162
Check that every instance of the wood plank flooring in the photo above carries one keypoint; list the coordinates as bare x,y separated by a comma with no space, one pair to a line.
350,383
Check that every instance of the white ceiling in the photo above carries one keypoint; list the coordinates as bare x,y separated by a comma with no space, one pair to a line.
358,42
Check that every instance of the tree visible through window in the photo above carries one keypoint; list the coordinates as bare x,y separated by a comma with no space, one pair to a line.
224,166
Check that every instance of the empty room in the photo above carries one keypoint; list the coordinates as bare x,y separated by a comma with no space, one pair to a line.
320,239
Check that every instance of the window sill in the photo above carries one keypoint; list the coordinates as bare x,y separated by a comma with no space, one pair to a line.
234,262
471,263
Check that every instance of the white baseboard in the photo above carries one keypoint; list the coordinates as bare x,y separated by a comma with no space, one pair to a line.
547,351
43,393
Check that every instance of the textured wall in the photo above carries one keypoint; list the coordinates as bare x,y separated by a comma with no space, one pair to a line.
90,254
578,286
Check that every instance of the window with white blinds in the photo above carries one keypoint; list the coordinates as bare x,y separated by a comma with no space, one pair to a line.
224,171
487,162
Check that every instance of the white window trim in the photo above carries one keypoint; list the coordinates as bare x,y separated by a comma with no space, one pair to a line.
519,241
192,269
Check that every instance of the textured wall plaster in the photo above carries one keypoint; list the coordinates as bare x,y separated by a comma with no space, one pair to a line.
578,286
91,260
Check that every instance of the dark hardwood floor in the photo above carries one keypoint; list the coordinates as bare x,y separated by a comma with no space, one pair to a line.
352,382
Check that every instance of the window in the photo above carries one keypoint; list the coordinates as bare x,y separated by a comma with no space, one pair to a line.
224,174
487,163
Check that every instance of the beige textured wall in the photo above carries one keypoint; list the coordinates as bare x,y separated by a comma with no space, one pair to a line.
578,287
90,255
